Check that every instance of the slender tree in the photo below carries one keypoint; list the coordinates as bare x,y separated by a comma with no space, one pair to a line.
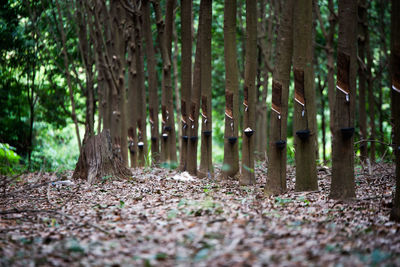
343,186
168,144
186,72
305,126
231,144
276,178
195,99
152,83
395,73
362,77
206,168
248,176
141,94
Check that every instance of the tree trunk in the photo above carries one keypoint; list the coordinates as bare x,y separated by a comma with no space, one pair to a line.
206,168
231,141
395,73
362,29
186,80
276,178
152,83
248,176
141,93
132,98
168,144
98,160
195,100
343,186
305,126
371,98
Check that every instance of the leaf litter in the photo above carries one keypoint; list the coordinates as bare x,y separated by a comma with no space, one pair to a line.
161,217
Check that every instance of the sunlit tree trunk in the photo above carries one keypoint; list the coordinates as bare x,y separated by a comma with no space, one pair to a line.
247,175
276,178
343,186
231,142
305,127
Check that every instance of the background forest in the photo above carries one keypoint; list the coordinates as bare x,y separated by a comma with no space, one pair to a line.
111,112
44,92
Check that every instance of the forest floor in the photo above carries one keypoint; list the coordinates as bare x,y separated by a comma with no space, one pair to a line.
165,218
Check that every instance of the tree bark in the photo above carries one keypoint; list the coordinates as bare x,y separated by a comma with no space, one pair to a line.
305,126
395,73
152,84
362,32
343,185
98,160
231,141
206,168
195,100
247,174
276,177
168,144
186,80
141,93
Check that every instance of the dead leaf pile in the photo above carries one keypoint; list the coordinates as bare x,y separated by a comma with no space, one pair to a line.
164,218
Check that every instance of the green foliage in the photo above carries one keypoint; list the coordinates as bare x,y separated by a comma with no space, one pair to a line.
9,159
55,149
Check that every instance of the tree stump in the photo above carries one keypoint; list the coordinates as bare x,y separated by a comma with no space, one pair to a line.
97,159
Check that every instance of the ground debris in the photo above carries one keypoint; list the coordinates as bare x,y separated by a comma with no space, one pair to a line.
162,217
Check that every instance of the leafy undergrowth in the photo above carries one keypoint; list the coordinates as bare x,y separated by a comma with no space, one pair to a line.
164,218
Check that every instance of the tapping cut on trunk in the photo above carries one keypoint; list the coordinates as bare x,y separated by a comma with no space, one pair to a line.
299,86
165,117
151,117
277,97
343,65
183,114
131,140
192,115
229,104
204,108
246,98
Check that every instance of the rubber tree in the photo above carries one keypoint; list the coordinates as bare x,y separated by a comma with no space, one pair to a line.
152,83
247,173
186,80
343,185
206,168
231,145
395,72
304,121
276,176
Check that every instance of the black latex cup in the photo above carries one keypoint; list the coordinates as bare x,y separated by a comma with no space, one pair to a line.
303,134
347,132
249,133
280,144
193,138
207,133
232,140
185,138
